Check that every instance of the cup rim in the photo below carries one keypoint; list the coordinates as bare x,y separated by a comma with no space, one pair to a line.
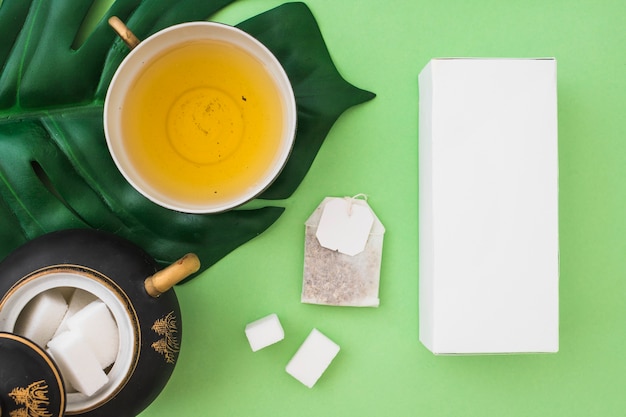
111,115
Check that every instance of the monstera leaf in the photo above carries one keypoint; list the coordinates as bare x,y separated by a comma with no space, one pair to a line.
55,169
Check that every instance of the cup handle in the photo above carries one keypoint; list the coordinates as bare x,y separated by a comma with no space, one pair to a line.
123,32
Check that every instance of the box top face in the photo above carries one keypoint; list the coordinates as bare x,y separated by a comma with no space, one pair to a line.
493,59
463,63
493,166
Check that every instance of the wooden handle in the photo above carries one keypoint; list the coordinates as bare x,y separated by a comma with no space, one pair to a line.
123,32
166,278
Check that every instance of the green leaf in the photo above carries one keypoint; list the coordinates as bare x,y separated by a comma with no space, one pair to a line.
322,95
55,169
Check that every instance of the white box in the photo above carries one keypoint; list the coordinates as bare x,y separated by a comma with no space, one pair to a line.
488,206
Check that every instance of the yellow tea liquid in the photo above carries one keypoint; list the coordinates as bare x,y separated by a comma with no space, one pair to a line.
204,121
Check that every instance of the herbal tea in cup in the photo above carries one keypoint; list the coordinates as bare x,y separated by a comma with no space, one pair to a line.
200,117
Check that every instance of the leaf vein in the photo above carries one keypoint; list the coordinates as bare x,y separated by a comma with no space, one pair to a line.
25,53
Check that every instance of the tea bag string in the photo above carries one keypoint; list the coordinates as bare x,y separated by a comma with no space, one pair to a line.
351,200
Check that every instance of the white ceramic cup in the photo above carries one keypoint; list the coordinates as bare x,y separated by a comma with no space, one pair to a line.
144,54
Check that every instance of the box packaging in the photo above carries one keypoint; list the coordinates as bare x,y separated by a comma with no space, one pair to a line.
488,206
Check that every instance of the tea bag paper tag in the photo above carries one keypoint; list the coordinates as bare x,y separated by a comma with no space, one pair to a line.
345,225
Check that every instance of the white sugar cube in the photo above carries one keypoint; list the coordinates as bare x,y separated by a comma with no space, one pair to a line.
67,292
77,299
77,362
264,332
312,358
42,315
97,326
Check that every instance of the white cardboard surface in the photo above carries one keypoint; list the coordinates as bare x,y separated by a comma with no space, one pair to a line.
488,190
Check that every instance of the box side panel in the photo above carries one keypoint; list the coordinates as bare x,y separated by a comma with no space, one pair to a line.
495,195
426,272
549,339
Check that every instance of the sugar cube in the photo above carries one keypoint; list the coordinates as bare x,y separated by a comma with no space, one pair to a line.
77,363
264,332
67,292
42,315
97,326
77,300
312,358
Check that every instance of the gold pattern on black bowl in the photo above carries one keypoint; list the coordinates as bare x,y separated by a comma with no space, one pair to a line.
114,270
30,384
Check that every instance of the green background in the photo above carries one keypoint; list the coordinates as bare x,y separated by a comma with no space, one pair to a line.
382,369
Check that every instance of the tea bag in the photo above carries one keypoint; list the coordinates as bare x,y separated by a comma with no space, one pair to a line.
342,254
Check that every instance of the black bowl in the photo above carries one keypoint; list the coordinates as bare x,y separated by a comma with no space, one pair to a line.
120,268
